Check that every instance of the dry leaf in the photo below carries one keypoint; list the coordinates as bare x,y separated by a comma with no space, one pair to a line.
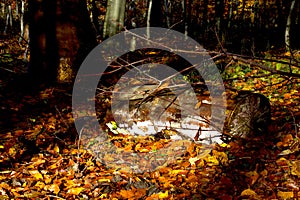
249,193
75,191
285,195
127,194
163,195
53,188
37,175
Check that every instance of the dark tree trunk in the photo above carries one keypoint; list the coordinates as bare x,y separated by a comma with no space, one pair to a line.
61,35
96,14
156,16
43,43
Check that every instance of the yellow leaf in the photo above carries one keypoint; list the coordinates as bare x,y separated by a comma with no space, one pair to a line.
212,160
24,184
75,191
12,152
144,150
225,145
151,53
37,175
162,195
178,171
74,151
198,105
70,183
53,166
104,180
137,147
253,175
48,178
295,168
5,186
264,173
56,148
221,156
248,192
40,185
285,195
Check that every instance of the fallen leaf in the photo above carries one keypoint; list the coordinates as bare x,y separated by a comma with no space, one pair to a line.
128,194
193,160
40,185
163,195
53,188
285,195
56,148
253,175
248,193
37,175
75,191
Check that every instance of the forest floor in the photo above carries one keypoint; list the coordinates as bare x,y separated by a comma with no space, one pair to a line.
40,157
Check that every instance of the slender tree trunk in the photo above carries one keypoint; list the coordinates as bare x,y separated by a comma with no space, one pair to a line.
149,17
2,9
17,8
288,27
219,8
22,25
230,2
9,19
205,17
167,12
96,13
186,16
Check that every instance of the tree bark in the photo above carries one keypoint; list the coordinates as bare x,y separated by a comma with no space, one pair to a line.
114,19
156,16
61,35
288,26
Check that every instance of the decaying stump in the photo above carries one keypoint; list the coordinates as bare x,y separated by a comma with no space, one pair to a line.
250,116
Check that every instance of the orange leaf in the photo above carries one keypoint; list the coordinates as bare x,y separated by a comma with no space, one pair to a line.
287,95
19,132
127,194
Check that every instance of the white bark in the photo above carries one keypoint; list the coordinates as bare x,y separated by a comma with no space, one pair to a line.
114,19
288,26
148,18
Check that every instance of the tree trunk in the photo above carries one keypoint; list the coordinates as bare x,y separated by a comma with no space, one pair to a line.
114,19
96,14
288,26
22,24
156,16
61,35
9,20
